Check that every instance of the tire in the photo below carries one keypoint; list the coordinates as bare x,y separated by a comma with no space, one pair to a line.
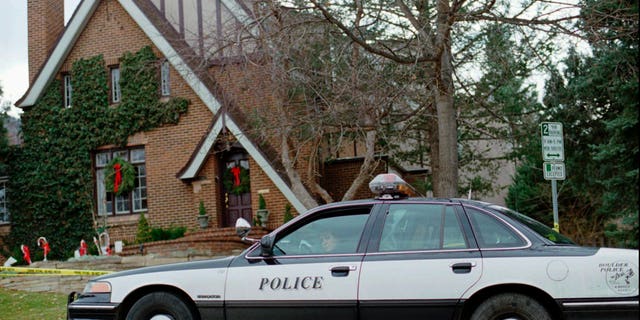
510,306
160,306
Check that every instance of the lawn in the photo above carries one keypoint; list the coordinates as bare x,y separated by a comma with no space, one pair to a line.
23,305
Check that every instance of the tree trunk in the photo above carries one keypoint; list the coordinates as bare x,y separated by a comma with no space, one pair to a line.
365,168
297,186
446,184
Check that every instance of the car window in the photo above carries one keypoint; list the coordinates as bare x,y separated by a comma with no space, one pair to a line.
411,227
491,232
335,233
537,226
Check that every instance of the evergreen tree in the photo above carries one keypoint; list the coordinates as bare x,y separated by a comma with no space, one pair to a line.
595,98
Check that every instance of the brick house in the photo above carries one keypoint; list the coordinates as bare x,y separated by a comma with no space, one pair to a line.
178,166
184,164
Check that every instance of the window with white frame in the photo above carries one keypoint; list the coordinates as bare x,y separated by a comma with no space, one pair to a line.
4,201
165,87
115,84
66,79
132,202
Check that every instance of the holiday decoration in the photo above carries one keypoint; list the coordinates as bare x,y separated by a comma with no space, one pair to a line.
119,176
105,244
118,179
83,248
236,180
42,242
25,254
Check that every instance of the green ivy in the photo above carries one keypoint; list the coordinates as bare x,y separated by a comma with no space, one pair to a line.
51,186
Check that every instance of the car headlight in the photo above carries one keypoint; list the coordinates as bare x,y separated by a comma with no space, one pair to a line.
97,287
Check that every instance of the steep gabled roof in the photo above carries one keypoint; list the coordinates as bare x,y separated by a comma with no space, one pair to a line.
145,15
203,150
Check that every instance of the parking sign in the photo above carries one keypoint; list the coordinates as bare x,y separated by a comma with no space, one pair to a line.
552,141
553,170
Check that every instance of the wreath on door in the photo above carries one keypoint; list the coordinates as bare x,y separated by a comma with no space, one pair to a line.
119,176
236,180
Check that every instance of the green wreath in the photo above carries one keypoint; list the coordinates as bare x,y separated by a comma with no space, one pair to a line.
237,189
127,174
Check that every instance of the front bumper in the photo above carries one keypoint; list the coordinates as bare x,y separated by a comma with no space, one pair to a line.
91,307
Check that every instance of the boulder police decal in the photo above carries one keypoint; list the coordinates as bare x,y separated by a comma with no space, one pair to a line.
286,283
621,276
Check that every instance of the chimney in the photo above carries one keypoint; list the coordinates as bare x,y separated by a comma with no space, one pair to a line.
45,20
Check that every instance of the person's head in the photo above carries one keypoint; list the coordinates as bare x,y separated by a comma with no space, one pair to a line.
329,241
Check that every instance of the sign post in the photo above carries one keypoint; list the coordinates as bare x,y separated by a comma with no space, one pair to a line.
553,157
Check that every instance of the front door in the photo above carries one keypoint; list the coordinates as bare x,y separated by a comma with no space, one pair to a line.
236,187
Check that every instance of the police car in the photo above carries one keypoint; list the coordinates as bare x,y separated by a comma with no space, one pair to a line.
393,257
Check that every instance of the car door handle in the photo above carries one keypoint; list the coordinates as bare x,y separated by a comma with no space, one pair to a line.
342,271
463,267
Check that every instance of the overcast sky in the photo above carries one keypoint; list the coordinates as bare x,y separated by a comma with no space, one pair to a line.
14,70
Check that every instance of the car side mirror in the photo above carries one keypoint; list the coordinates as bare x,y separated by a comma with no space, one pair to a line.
243,228
266,244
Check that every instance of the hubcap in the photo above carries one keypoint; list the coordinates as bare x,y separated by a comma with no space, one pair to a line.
161,317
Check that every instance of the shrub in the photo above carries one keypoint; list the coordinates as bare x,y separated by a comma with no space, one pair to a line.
287,213
144,230
171,233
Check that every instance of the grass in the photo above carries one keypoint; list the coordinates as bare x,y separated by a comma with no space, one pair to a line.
23,305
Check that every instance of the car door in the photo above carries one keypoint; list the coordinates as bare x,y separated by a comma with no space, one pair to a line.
420,263
312,272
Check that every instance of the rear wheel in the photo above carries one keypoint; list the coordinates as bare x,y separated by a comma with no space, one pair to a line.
510,306
160,306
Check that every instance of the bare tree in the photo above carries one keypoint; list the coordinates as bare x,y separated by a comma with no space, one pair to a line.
350,70
424,33
330,94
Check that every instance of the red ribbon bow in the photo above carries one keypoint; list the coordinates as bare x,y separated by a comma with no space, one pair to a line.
236,176
118,178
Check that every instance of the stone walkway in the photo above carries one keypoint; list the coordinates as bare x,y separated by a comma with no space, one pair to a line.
67,284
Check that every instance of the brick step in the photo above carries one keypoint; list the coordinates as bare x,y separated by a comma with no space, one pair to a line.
206,242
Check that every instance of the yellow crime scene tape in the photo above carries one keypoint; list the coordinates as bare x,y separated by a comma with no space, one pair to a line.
17,271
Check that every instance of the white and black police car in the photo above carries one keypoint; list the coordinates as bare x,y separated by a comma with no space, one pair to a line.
392,257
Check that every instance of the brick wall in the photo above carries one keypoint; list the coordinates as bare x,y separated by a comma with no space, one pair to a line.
201,243
338,176
171,202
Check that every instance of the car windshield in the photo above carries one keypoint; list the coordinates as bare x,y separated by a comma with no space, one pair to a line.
538,227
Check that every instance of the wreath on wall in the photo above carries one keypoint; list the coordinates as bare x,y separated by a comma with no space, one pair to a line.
119,176
236,180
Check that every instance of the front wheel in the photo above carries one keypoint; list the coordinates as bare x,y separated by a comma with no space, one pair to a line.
160,306
510,306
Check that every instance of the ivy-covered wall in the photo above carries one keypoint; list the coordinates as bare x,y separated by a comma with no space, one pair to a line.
52,184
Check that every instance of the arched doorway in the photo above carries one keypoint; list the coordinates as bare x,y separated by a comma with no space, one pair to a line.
236,187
